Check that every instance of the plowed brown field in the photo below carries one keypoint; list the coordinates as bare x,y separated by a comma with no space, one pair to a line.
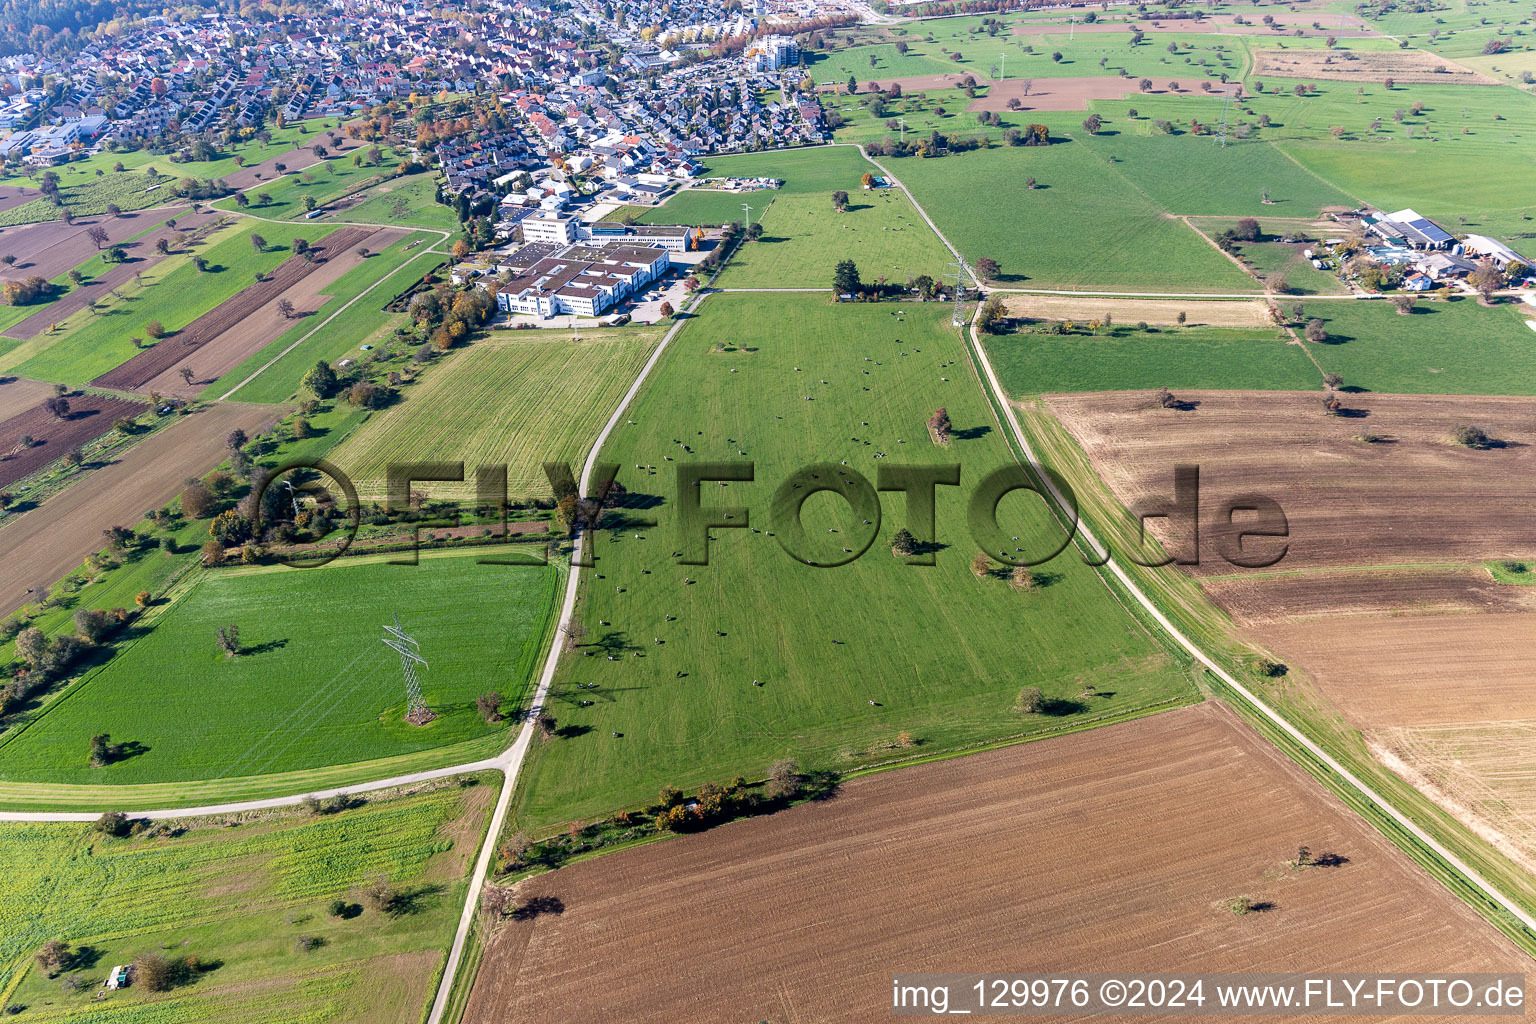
90,416
141,256
53,247
1069,93
1107,850
1413,498
226,335
1421,650
17,394
1259,598
44,544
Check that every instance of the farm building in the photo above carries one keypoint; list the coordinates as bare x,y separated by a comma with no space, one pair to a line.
1407,228
1483,247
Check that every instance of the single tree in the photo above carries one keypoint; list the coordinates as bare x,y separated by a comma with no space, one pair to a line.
1487,280
988,268
1315,331
52,957
845,278
1471,437
785,781
258,243
903,544
285,309
1020,578
981,565
993,315
840,201
229,640
97,234
153,972
939,426
57,407
1030,701
489,706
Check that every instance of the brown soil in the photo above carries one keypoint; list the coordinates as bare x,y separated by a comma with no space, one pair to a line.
1112,850
227,335
1258,598
1416,669
1402,501
90,416
18,394
1074,93
1369,66
1129,311
12,196
142,255
53,247
43,545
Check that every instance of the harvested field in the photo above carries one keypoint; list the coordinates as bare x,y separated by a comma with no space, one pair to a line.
1129,311
227,335
17,395
90,416
1402,500
44,544
1071,93
1399,671
1137,834
1482,773
53,247
1259,598
141,257
1365,66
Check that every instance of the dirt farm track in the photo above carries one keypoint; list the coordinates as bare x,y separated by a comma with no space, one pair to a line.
1108,850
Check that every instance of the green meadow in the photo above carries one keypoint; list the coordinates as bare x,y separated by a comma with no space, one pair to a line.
313,686
804,237
871,660
1085,225
1126,359
1442,348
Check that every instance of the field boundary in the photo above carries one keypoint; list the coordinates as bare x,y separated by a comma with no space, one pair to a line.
1086,538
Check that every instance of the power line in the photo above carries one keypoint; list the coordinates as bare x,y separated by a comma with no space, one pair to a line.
403,644
959,264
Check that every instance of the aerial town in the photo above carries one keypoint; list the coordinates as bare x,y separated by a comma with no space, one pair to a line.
766,510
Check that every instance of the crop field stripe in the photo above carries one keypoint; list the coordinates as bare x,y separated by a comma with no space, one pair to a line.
299,341
1086,540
